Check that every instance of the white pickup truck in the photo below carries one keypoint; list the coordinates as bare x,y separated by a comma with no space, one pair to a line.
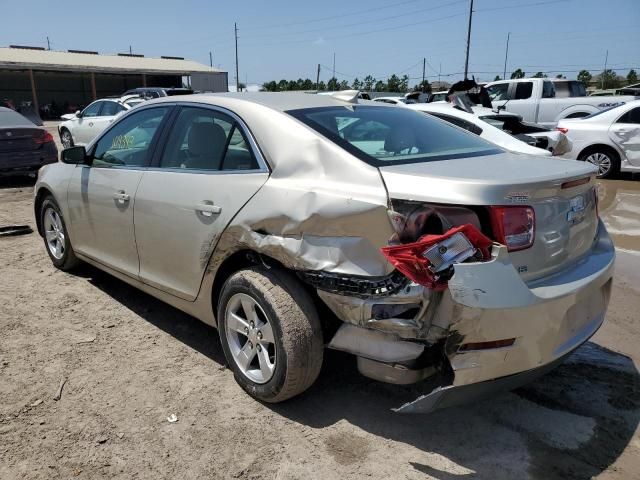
536,100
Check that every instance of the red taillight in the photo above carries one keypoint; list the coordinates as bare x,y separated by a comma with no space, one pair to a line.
44,137
421,262
562,129
513,226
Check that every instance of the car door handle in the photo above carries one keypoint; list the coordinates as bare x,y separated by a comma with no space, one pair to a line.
208,209
121,197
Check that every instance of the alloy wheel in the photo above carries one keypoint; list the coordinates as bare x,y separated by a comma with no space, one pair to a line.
250,338
67,141
602,161
54,233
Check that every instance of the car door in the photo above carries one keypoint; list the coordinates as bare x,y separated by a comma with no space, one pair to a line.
84,123
101,195
625,132
208,169
522,100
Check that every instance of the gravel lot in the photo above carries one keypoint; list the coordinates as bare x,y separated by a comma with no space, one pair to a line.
130,361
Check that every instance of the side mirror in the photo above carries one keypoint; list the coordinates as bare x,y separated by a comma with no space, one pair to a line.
79,114
74,156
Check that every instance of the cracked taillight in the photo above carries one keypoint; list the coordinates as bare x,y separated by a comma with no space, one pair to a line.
513,226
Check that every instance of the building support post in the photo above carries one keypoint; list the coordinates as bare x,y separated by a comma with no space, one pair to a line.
33,91
94,94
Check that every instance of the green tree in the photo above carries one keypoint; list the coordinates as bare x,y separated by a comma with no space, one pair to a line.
609,79
560,76
282,86
424,87
322,86
517,74
496,78
343,85
368,83
540,75
632,77
393,83
271,86
380,86
332,84
404,83
585,77
357,84
308,84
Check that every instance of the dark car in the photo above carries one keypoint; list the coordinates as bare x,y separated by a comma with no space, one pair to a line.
24,147
157,92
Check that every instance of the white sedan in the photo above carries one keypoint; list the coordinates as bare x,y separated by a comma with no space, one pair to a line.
610,139
474,124
83,126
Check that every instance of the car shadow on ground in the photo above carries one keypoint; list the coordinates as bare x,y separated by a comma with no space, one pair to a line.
17,181
572,423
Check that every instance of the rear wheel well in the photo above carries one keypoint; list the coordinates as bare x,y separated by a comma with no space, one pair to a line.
248,258
599,148
37,204
578,115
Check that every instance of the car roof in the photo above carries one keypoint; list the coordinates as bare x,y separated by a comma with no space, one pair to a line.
280,101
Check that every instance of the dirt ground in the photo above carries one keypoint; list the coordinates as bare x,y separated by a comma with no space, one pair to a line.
131,361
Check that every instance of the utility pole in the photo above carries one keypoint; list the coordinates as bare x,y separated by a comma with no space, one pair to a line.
466,60
318,78
333,75
606,57
211,59
48,44
235,29
506,54
439,71
424,64
130,50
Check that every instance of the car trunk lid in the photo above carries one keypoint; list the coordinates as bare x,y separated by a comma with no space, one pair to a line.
19,139
561,192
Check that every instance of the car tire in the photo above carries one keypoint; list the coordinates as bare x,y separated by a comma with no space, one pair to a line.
606,159
66,138
56,236
287,354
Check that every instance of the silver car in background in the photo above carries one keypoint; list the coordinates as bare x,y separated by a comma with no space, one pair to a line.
292,222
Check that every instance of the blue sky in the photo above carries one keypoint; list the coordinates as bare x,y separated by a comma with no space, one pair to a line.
287,39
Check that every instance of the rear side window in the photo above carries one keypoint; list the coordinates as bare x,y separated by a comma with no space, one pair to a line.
383,136
208,140
523,90
110,109
632,116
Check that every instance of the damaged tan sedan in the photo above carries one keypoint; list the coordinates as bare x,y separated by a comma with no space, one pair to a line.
295,222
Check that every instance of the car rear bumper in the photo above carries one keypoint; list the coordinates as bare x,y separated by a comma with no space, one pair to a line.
24,162
540,322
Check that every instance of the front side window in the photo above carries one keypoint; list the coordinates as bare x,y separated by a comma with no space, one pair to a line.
523,90
498,91
127,143
384,136
92,110
203,139
547,89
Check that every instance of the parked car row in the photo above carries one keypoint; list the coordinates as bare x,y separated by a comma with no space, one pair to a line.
295,222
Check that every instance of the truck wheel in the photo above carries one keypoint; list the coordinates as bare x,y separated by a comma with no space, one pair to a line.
270,333
606,159
56,237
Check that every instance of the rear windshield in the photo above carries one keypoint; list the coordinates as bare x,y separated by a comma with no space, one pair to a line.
385,136
9,118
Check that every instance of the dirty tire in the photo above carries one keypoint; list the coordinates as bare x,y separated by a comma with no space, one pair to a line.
296,331
66,138
68,261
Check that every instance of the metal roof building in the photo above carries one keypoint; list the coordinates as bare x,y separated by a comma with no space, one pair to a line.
68,80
